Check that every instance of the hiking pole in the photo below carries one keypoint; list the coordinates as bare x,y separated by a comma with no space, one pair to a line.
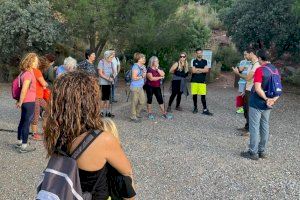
7,130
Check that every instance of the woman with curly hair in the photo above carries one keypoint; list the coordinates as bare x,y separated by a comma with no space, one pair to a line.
27,100
74,113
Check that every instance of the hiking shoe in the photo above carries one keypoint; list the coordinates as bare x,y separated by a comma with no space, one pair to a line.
242,129
178,108
110,115
240,111
17,146
135,120
114,101
102,114
26,149
37,137
195,110
206,112
169,109
262,155
139,117
249,155
245,134
167,116
151,116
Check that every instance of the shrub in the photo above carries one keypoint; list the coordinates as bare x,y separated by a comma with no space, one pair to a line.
228,56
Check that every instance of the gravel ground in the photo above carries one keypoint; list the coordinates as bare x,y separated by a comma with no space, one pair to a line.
190,157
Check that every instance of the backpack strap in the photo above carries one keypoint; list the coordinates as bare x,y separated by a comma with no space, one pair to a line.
85,143
271,71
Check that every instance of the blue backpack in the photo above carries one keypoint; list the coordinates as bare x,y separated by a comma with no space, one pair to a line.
128,75
274,86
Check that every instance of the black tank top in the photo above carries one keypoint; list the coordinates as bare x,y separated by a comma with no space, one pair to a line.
88,180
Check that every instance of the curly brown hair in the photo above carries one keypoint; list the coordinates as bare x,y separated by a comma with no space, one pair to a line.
43,63
74,109
27,61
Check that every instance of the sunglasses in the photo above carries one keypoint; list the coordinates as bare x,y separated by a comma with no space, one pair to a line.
182,56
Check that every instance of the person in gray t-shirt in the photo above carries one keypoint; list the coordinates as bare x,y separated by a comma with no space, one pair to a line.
106,79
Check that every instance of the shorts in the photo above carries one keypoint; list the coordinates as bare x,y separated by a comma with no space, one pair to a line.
106,90
198,88
242,87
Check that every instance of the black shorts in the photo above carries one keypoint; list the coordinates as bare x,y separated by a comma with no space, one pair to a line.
106,90
156,91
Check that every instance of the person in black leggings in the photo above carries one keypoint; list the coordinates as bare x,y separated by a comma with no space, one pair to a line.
180,72
153,83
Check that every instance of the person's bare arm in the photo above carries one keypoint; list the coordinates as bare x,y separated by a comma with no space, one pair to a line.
199,71
173,68
152,78
42,81
247,77
102,75
135,75
261,93
25,87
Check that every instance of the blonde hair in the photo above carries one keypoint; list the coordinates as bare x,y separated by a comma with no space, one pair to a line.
27,61
110,126
137,56
185,65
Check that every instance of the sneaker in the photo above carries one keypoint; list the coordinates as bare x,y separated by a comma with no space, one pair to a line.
245,134
37,137
242,129
138,116
151,116
240,111
17,146
110,115
206,112
195,110
27,149
135,120
167,116
169,109
178,108
102,114
262,155
249,155
114,101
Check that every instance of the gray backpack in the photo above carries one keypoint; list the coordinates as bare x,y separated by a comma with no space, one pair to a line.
60,179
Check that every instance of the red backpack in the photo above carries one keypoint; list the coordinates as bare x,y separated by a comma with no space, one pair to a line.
16,87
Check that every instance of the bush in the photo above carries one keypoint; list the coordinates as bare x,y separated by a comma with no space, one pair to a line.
228,56
295,78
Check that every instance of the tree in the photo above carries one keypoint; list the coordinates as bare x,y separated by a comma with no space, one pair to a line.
27,26
90,20
249,22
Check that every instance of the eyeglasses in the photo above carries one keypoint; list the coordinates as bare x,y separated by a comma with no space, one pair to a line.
182,56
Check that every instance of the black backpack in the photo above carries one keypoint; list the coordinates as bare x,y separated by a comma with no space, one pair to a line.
60,179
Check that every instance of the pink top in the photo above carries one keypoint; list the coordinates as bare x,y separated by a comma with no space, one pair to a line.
31,92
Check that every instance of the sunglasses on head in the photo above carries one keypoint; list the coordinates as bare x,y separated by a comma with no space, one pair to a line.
182,56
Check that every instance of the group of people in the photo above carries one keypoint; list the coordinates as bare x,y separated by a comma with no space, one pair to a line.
75,109
256,79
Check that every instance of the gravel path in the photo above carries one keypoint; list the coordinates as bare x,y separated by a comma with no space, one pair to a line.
189,157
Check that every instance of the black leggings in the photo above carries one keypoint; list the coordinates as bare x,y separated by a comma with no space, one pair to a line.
203,100
175,91
156,91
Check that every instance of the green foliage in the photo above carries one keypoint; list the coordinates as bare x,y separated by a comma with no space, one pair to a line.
228,56
26,26
272,23
164,32
294,78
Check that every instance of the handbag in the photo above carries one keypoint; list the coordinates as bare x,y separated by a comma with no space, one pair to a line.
46,94
119,186
239,101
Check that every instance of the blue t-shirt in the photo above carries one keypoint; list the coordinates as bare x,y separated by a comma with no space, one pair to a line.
60,70
246,64
137,83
